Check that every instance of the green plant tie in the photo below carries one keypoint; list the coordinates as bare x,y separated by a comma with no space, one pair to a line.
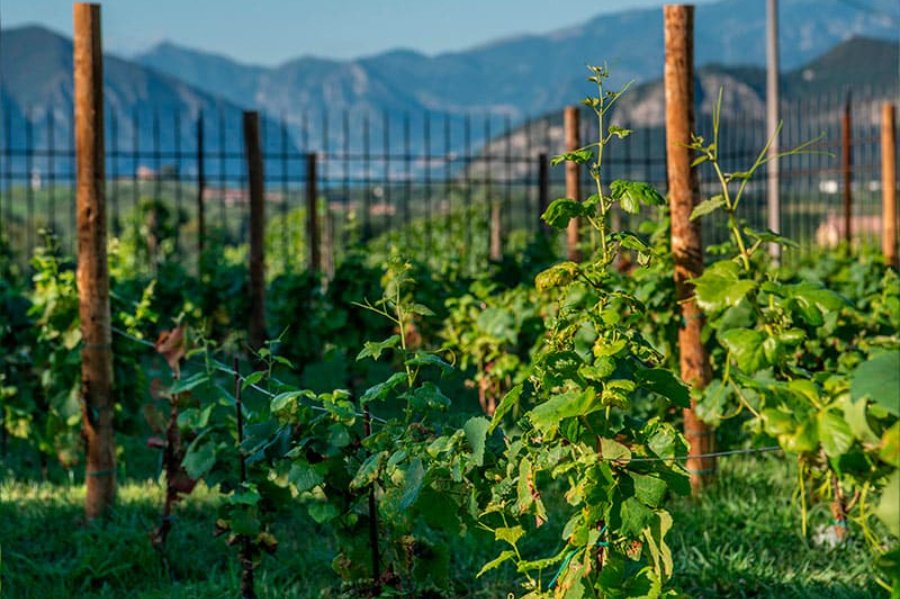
571,554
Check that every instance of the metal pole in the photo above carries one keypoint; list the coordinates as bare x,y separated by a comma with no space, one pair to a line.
772,116
889,183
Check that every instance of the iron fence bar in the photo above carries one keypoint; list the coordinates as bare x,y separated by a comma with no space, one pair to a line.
426,132
407,173
367,187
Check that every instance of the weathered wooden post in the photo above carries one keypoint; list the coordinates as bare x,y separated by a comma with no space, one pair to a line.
255,178
571,124
847,169
328,243
496,225
687,247
93,269
543,186
889,183
312,215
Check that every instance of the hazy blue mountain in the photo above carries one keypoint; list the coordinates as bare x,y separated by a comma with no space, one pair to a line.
864,66
160,93
36,88
528,74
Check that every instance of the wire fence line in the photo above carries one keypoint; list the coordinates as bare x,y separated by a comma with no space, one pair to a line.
416,176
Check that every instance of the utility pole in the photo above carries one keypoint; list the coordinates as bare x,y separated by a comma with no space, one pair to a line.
772,100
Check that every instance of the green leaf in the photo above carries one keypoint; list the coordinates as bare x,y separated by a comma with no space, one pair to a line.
524,496
659,550
614,451
889,507
497,561
636,192
368,472
506,404
194,419
380,391
509,535
548,415
620,132
253,378
855,413
322,512
429,397
374,349
242,523
635,518
412,483
746,346
707,206
665,383
476,433
582,156
720,286
813,302
878,379
285,404
248,496
199,459
424,358
834,434
304,476
649,489
630,241
890,445
561,211
556,276
191,382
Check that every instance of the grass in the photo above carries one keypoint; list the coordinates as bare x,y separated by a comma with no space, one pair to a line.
743,540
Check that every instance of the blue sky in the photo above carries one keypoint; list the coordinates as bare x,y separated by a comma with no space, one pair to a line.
271,31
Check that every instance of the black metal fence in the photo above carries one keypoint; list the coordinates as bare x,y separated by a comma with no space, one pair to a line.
407,178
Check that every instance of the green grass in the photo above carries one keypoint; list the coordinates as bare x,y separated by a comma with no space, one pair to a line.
743,540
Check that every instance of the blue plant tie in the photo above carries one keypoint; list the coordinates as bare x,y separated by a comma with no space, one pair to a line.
570,555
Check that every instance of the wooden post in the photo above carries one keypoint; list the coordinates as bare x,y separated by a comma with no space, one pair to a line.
847,169
572,128
496,249
201,189
312,215
245,553
257,325
93,268
687,247
328,243
889,183
543,186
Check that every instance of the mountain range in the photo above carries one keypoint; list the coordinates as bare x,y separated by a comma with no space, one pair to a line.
511,78
524,75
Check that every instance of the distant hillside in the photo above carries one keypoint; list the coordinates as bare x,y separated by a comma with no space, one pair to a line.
524,75
860,65
36,70
509,79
